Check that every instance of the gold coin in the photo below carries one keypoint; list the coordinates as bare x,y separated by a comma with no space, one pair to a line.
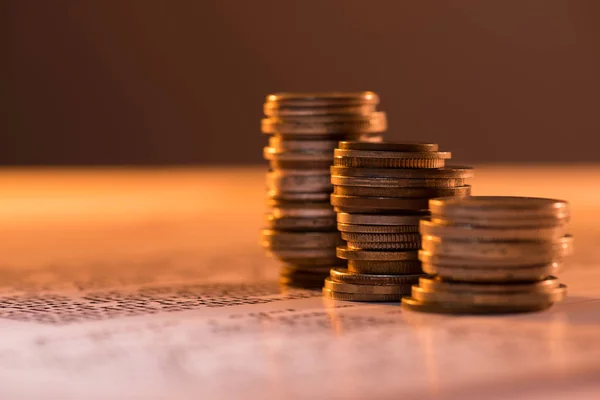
490,299
404,155
270,153
388,146
436,284
324,256
401,191
369,219
411,304
301,224
384,267
366,289
468,262
348,254
302,210
298,196
282,145
374,204
303,181
289,270
396,182
467,232
274,110
381,237
372,162
378,228
498,208
487,274
307,165
315,99
455,172
383,245
299,240
330,294
344,276
325,125
513,251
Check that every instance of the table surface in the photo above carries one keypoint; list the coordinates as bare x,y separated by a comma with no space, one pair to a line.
150,283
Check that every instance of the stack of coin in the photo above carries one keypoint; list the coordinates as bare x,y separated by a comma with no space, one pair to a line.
491,255
305,128
381,191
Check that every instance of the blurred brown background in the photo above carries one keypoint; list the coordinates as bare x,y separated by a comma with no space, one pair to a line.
156,82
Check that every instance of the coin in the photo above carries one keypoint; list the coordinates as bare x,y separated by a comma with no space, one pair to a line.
466,261
324,256
271,153
378,228
401,192
427,227
414,163
383,245
516,223
511,251
315,99
349,254
280,203
374,204
323,125
300,224
342,275
366,289
298,196
298,165
487,274
360,297
293,270
455,172
431,283
337,136
396,182
409,303
498,208
307,210
388,147
327,118
384,267
381,237
490,299
299,240
275,110
299,181
281,145
401,155
368,219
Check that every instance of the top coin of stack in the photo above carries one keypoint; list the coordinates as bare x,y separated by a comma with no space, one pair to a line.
381,191
304,129
492,255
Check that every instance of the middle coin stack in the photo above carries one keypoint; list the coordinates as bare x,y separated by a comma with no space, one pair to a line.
380,192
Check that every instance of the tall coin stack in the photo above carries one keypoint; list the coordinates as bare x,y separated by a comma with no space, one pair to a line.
305,128
492,255
381,191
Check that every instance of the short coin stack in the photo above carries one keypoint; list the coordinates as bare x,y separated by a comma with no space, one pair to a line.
381,191
492,255
304,129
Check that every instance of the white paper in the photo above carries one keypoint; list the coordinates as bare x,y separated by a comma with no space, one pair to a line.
184,340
